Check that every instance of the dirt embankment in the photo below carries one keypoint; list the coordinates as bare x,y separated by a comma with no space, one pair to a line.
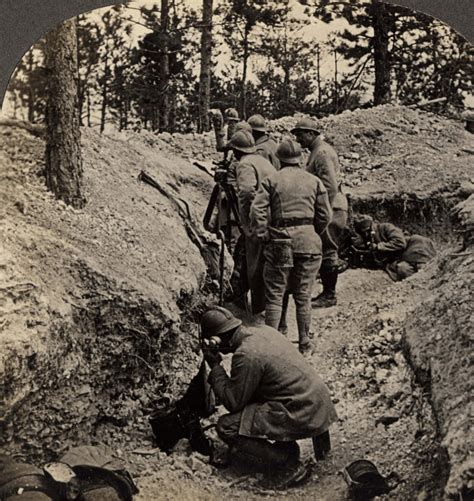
439,337
98,305
95,303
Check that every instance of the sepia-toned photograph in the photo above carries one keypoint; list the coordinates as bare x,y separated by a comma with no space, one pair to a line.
236,255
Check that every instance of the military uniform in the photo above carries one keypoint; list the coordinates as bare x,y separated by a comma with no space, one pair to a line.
272,392
388,243
419,250
291,204
267,148
324,164
251,170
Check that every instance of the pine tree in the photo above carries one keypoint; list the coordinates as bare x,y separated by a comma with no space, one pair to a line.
64,171
240,19
206,61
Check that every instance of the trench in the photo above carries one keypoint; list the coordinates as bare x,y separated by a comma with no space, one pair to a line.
125,338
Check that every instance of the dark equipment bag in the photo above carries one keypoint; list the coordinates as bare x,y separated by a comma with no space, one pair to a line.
183,420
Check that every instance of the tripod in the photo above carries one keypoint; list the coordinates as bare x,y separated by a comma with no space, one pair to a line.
224,199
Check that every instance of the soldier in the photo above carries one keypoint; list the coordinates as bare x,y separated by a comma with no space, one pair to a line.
271,394
291,204
324,164
265,144
251,170
382,242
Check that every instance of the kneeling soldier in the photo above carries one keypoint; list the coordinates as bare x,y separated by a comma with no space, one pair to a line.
271,394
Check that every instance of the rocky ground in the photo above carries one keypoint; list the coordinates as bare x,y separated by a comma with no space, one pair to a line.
359,353
112,293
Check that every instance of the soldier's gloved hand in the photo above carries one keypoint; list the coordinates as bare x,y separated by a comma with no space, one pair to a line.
212,357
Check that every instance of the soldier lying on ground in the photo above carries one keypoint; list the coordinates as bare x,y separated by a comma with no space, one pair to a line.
272,394
384,246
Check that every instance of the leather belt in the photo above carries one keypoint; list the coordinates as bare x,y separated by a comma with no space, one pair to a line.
293,221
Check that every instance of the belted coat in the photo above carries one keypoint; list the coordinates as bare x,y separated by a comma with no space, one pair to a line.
292,194
279,394
251,170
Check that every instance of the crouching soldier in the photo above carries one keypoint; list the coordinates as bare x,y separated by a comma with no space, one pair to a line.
272,394
291,209
379,243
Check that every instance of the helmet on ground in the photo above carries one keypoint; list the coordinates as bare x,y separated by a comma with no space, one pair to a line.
289,152
363,223
242,125
306,124
218,321
231,114
242,141
258,123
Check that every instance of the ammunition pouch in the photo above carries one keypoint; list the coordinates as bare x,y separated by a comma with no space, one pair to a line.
279,251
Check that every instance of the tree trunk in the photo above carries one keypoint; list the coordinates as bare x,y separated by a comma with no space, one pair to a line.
205,78
318,75
164,67
31,97
89,124
381,53
103,111
243,91
64,172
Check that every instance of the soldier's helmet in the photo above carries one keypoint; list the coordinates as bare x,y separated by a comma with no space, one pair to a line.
218,321
231,114
363,223
258,123
242,141
305,124
242,125
289,152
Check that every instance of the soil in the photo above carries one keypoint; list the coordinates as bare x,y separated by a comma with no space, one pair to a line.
112,293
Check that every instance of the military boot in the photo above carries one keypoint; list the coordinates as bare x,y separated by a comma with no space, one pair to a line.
327,298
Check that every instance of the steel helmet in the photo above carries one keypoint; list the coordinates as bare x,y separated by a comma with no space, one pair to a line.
231,114
257,122
305,124
217,321
363,223
289,152
242,141
242,125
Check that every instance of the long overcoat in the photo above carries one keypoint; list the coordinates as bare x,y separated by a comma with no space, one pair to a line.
278,393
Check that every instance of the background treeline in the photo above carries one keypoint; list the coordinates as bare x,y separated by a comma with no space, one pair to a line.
168,77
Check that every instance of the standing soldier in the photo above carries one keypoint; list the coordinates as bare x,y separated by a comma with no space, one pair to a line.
324,164
265,144
251,170
291,205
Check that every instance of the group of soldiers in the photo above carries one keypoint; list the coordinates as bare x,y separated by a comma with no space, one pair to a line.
292,214
294,219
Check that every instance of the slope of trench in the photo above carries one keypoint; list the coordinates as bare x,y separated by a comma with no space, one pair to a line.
360,354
